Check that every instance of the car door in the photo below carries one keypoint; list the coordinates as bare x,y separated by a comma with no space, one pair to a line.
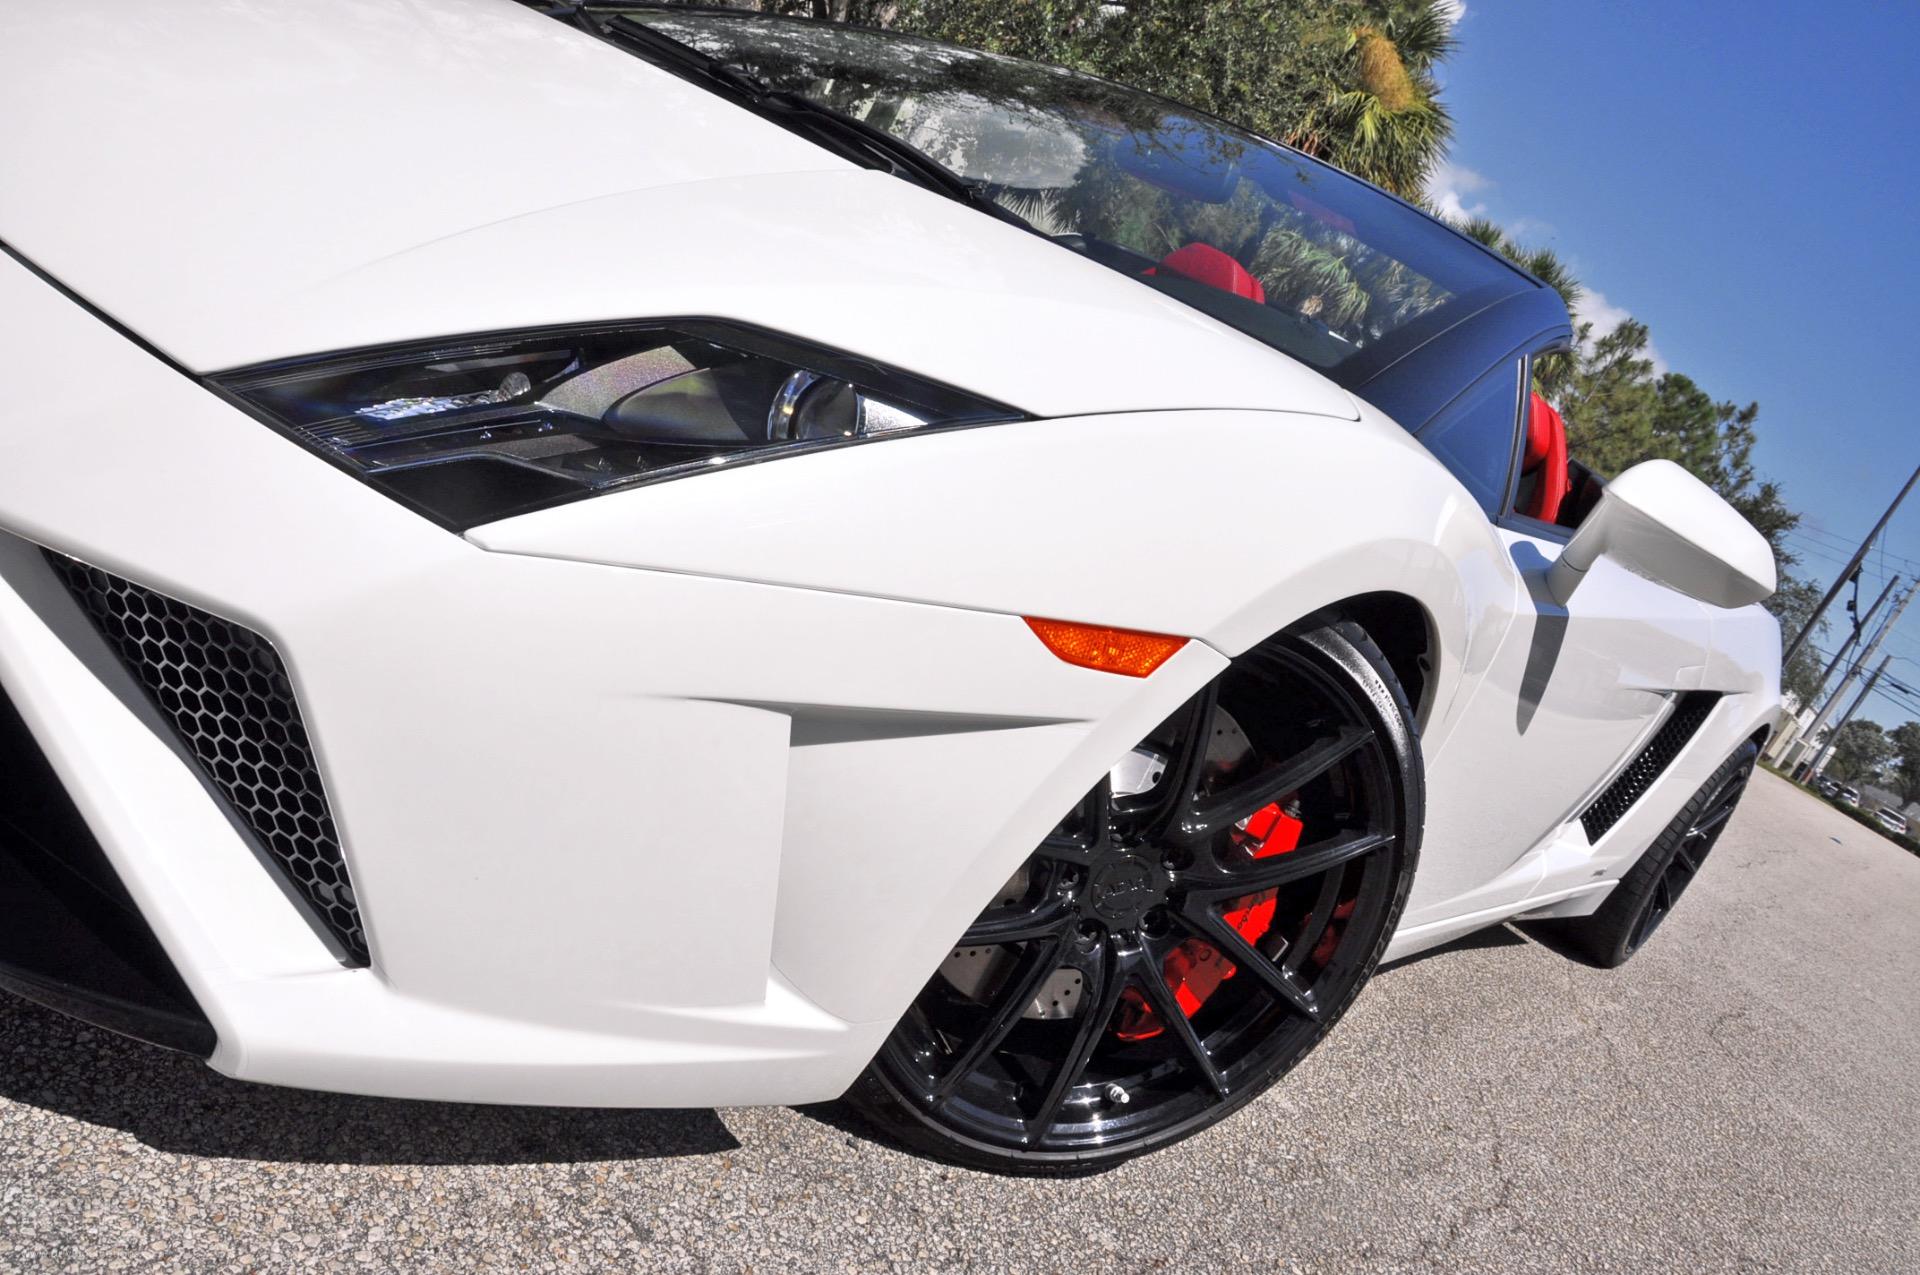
1566,697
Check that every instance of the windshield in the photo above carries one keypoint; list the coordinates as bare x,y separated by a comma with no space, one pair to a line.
1290,251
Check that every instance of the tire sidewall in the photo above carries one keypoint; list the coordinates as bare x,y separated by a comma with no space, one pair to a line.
1339,648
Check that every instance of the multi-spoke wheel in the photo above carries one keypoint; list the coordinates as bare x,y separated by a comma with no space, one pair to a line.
1185,935
1647,894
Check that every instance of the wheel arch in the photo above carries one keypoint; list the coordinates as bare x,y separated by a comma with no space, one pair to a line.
1404,631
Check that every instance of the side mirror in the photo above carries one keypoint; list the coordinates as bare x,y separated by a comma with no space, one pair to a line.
1661,522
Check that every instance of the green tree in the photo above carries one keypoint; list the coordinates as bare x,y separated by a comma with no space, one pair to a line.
1619,413
1543,263
1792,603
1376,110
1904,773
1860,749
1554,373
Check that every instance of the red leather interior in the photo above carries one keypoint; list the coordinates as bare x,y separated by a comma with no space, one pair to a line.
1204,263
1547,458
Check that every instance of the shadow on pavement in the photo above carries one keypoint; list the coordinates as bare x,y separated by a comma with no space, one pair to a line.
847,1120
1498,936
178,1104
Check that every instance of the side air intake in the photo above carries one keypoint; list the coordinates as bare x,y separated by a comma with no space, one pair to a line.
1689,712
225,691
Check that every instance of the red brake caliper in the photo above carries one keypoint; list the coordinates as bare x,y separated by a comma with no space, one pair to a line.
1195,969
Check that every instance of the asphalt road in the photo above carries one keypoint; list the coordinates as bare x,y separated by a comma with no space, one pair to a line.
1744,1095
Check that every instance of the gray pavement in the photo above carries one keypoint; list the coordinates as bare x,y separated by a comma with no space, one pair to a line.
1744,1095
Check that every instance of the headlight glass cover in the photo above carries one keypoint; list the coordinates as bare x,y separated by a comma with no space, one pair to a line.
474,429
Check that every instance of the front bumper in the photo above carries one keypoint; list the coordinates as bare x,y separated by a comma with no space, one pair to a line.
617,836
71,938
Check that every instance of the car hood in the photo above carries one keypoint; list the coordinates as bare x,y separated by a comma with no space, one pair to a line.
259,180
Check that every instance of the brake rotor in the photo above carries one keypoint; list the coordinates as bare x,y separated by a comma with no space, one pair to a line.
976,972
1195,968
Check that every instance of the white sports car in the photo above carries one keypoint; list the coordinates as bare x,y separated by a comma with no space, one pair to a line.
614,556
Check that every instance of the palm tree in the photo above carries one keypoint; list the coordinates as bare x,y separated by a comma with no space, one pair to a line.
1543,264
1378,114
1553,373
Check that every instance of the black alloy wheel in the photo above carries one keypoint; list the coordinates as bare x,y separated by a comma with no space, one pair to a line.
1186,935
1689,852
1646,896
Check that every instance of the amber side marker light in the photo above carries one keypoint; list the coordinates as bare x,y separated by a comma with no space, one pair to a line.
1093,646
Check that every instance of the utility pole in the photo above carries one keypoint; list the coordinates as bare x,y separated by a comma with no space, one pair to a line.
1826,749
1873,648
1839,581
1859,627
1860,623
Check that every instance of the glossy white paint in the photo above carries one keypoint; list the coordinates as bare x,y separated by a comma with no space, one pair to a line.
565,790
676,796
1043,518
1661,522
1568,694
456,166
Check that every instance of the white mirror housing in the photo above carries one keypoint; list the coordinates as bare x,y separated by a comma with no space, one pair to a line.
1659,521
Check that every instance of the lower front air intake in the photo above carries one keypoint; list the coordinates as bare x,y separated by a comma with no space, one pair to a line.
226,693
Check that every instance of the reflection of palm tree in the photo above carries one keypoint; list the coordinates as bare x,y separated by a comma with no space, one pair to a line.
1309,279
1379,115
1071,155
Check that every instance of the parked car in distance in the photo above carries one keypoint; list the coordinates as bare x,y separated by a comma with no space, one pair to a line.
1892,820
1849,794
1828,787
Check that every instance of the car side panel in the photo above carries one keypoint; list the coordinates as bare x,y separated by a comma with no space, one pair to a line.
1570,695
1566,874
1243,523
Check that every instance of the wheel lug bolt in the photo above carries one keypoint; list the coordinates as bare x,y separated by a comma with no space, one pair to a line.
1092,931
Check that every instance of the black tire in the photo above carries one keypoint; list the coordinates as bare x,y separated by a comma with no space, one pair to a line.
1035,1093
1646,896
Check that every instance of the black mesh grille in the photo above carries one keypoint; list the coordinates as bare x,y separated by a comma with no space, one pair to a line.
225,690
1611,805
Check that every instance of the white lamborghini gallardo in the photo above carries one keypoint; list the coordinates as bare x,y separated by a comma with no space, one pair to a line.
618,556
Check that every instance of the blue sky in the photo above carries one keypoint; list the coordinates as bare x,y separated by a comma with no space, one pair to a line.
1743,179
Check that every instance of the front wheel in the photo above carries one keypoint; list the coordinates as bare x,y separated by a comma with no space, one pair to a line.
1185,936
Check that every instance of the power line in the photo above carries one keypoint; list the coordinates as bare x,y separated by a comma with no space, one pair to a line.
1872,649
1806,630
1822,553
1832,540
1806,527
1800,543
1833,737
1809,524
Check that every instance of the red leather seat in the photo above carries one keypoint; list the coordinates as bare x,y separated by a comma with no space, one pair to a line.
1204,263
1546,458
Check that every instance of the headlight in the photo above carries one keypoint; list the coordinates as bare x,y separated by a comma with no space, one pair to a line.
474,429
